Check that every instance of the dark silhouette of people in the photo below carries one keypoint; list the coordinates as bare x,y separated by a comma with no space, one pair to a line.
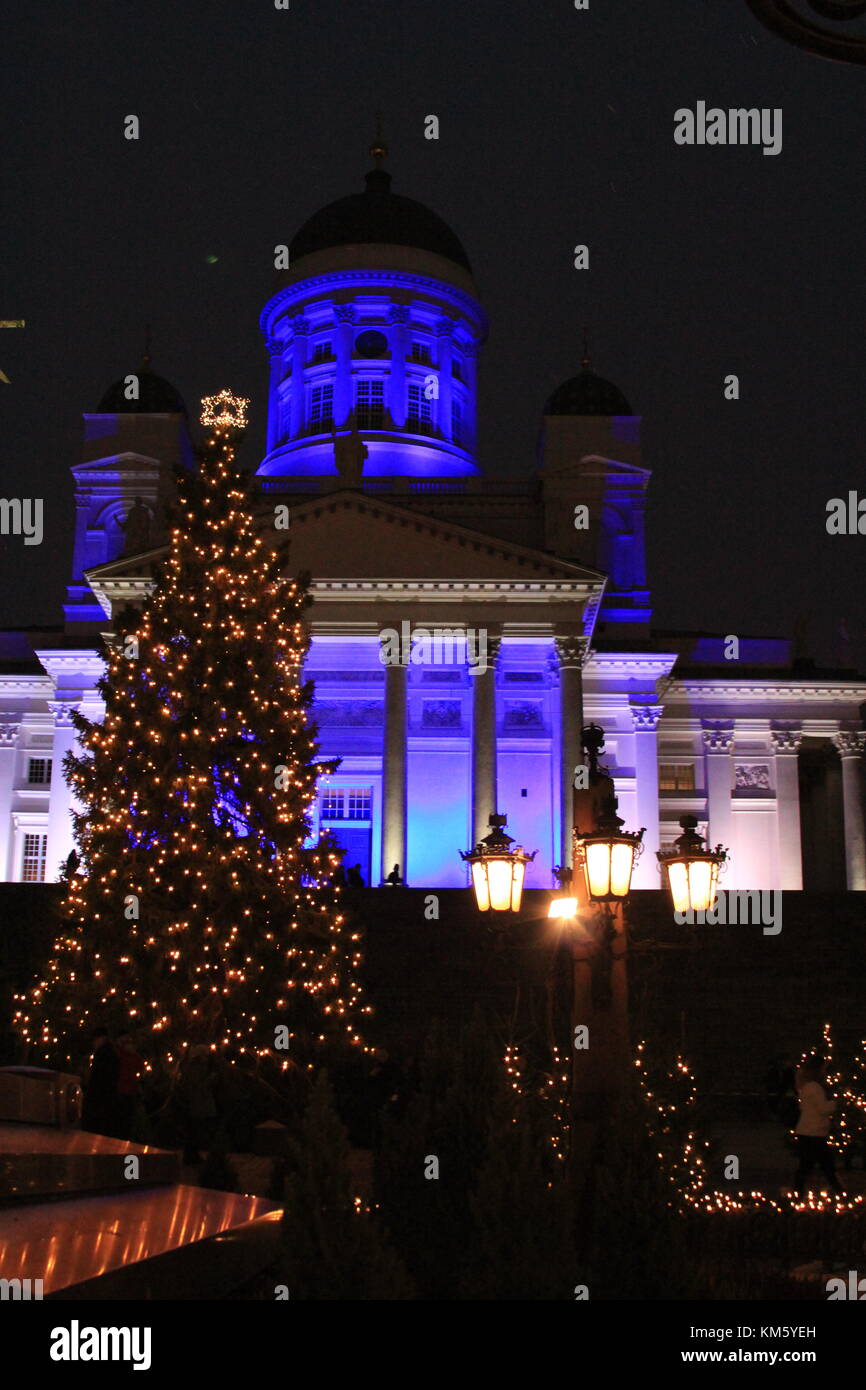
100,1110
354,877
197,1096
130,1067
394,878
383,1093
813,1126
781,1085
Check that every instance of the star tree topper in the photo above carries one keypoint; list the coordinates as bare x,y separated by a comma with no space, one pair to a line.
224,411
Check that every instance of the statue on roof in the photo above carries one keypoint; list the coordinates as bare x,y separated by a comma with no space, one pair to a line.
350,453
136,528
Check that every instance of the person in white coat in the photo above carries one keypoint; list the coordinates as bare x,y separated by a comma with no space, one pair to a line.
813,1126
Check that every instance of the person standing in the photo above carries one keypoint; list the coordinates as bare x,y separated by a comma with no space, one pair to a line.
130,1067
813,1126
100,1112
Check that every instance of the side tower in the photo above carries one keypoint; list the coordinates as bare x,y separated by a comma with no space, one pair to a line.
133,441
374,328
594,488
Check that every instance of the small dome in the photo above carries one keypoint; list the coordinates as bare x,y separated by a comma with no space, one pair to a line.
380,216
587,394
156,396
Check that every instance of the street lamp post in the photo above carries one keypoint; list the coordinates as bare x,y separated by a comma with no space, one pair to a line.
604,858
592,915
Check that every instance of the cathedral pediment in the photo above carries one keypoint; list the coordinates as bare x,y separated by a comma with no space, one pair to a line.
362,550
352,536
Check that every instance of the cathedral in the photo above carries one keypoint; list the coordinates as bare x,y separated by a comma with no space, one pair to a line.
464,627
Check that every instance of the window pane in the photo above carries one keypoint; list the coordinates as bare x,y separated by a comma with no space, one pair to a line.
370,405
33,859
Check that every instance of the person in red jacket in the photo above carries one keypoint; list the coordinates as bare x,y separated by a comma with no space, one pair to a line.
813,1126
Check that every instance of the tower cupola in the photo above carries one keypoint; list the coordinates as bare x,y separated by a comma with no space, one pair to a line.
373,335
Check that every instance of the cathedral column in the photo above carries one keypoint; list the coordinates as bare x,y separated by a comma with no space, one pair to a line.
570,653
442,413
398,315
394,771
60,840
850,744
470,424
297,419
786,746
276,356
646,766
484,742
344,315
718,745
8,758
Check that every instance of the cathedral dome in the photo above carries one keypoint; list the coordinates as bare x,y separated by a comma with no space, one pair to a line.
587,394
377,216
156,396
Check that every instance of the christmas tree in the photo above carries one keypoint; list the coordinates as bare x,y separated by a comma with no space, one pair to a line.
333,1245
199,911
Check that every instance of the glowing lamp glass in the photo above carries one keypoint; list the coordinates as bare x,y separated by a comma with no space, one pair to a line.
479,883
499,883
563,907
608,865
691,870
498,870
702,884
678,882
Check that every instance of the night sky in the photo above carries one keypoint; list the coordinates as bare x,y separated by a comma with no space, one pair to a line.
556,127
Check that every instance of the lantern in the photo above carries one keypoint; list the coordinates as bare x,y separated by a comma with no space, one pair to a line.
691,870
607,857
497,869
562,908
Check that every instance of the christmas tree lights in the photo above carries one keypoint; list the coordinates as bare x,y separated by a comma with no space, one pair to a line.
199,911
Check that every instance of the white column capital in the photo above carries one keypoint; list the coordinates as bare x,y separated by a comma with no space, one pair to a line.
646,717
786,741
62,711
9,734
571,650
717,740
849,743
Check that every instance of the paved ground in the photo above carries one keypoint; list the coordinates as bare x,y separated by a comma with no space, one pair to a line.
767,1159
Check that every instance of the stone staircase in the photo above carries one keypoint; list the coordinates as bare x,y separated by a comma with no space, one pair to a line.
99,1218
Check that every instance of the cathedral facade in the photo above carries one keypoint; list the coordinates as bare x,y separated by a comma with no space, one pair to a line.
464,627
